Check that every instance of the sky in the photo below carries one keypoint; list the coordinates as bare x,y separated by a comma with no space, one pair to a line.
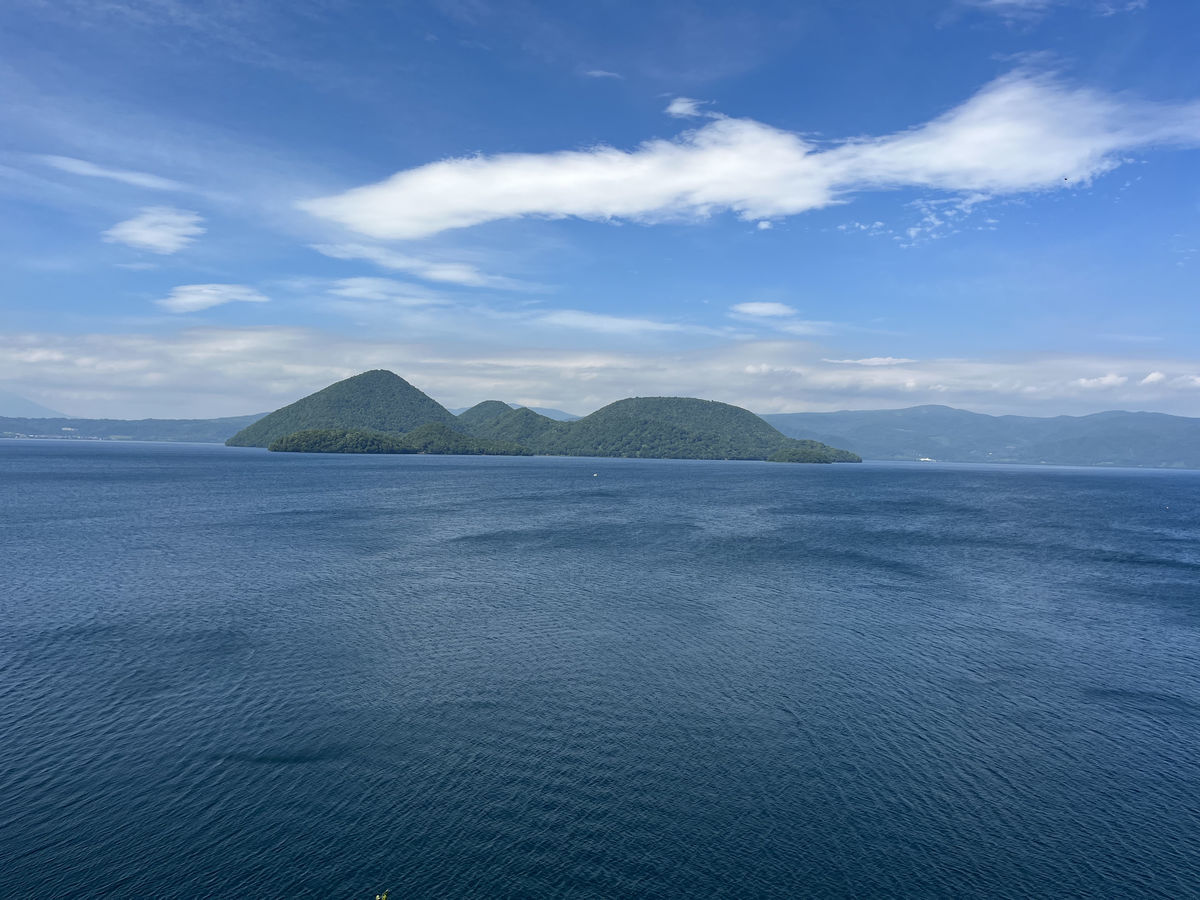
213,208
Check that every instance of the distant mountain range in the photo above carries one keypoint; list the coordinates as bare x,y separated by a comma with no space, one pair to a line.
380,412
919,432
21,407
200,431
955,435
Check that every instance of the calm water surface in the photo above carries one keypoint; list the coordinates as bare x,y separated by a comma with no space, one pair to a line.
228,673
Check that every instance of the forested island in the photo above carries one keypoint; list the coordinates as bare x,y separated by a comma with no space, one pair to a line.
380,412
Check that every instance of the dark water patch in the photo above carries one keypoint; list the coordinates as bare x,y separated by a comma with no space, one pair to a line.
292,756
1124,559
579,537
1144,701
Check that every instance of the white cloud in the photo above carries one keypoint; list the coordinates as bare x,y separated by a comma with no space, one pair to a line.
1103,381
383,289
125,176
872,361
601,73
159,229
1012,7
195,297
1034,9
1023,132
779,317
1154,378
803,327
430,270
685,108
603,324
763,309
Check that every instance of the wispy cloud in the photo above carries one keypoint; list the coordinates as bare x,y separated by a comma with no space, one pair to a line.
159,229
1014,8
1112,379
384,289
778,317
602,73
194,297
430,270
872,361
580,320
759,310
1026,131
125,176
1030,10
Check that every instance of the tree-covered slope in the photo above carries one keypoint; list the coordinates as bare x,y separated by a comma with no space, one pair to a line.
482,413
335,440
672,428
440,439
375,401
806,451
431,438
521,426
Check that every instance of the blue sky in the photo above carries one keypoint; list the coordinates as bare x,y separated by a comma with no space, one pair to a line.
213,208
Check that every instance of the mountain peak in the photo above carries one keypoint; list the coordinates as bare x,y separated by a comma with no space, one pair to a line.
377,400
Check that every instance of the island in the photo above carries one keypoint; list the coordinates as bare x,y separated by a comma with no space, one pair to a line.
380,412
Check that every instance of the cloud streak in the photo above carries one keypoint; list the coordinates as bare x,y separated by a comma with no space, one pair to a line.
125,176
1026,131
196,297
1034,9
159,229
462,274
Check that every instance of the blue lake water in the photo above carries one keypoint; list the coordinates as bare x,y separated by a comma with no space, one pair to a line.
228,673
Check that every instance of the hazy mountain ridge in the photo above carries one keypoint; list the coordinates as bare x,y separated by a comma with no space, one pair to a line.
1113,438
17,407
200,431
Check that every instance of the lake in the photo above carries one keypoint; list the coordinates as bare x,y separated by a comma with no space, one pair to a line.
231,673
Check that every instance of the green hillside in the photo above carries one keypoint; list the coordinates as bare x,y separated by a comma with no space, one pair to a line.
431,438
482,413
375,401
679,428
520,426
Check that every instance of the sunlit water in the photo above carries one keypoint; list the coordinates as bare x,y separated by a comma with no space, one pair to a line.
228,673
